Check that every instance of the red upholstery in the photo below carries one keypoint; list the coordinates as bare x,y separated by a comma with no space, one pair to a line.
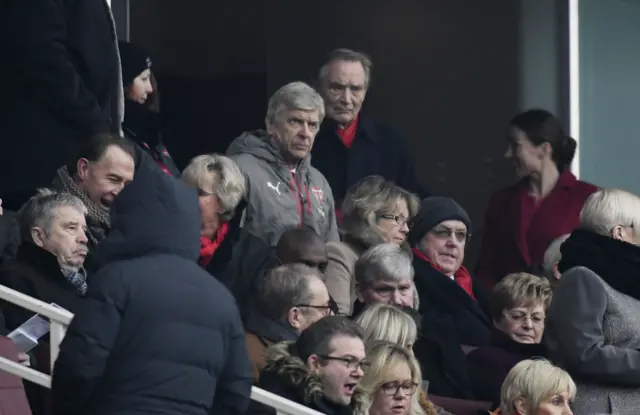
459,406
13,400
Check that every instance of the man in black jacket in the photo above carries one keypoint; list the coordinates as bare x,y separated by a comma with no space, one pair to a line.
157,334
350,145
61,83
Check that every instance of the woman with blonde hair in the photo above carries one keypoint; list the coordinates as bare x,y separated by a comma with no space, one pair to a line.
385,322
394,380
536,387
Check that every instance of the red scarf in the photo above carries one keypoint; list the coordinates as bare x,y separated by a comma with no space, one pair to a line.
208,247
348,134
461,277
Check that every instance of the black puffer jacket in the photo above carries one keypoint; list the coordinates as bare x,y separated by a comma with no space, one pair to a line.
157,334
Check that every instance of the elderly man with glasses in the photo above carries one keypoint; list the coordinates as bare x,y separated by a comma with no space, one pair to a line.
439,236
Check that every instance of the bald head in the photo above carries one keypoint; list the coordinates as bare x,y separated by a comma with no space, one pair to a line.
304,246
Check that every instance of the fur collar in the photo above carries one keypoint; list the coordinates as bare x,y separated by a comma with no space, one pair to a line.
295,372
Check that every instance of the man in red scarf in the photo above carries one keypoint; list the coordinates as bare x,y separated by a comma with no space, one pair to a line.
439,235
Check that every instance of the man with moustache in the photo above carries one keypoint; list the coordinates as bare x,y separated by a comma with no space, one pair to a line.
283,189
350,145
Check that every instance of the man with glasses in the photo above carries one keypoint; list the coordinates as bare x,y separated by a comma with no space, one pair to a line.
439,236
322,369
349,145
288,300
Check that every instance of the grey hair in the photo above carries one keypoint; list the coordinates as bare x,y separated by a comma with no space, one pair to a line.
285,287
552,256
41,209
347,55
295,96
364,202
386,262
229,184
608,208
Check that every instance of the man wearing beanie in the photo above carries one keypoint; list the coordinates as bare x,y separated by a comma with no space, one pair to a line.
321,370
439,235
61,85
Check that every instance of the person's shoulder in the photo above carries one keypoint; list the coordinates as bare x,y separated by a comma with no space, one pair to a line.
318,179
585,188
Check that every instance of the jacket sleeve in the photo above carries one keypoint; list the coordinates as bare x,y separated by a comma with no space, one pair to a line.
88,343
485,268
233,391
38,29
575,333
338,278
407,178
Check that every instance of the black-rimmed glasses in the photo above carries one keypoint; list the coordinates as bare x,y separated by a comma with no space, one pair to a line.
328,309
350,363
392,388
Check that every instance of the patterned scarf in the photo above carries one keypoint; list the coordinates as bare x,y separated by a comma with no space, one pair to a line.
97,217
77,278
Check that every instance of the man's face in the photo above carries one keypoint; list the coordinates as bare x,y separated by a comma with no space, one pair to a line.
344,89
104,179
65,238
303,315
341,370
444,245
398,293
295,132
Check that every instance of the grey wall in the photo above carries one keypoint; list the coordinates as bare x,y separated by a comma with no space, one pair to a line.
609,92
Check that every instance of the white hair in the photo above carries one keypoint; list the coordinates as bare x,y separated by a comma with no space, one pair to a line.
608,208
347,55
387,262
41,209
229,184
295,96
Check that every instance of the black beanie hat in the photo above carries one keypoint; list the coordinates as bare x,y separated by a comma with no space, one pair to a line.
433,210
134,61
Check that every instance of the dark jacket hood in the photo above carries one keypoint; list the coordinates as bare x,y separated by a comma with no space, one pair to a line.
295,375
154,214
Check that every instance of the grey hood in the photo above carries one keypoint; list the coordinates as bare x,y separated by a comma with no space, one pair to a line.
260,145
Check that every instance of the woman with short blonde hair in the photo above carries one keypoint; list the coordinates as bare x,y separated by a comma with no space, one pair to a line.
394,380
537,387
592,329
388,323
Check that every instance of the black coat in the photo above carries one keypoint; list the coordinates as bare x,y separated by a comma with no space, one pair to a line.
60,84
441,296
376,150
36,273
157,334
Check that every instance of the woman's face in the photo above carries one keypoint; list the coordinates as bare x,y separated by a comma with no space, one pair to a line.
523,324
526,157
393,397
141,87
393,223
558,404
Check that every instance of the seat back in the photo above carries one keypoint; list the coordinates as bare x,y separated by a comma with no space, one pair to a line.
13,400
460,406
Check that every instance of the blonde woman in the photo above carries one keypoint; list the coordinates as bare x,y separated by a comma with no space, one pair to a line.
394,381
536,387
385,322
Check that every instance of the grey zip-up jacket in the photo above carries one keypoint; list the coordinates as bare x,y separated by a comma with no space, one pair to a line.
279,198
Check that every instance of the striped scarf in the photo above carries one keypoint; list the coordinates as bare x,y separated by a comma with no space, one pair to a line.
77,278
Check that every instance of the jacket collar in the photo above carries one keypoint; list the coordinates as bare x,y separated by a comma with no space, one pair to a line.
271,329
294,375
366,128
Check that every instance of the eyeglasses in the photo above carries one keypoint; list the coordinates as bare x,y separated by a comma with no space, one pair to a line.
351,363
536,319
399,219
332,307
446,233
392,388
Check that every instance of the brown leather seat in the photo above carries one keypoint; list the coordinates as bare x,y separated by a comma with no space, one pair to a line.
13,400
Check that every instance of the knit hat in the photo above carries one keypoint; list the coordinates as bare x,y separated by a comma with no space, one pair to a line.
433,210
134,61
314,335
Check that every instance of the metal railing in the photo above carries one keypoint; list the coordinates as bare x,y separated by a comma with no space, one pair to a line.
59,320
